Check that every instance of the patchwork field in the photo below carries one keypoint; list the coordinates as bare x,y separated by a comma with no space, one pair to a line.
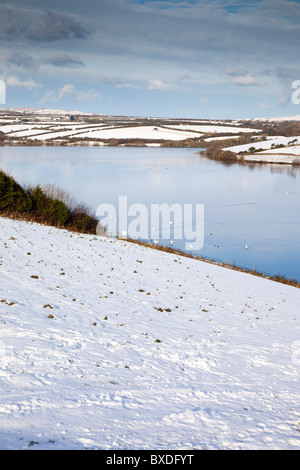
270,141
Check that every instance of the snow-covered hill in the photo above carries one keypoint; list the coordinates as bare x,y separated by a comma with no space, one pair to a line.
278,119
110,345
54,126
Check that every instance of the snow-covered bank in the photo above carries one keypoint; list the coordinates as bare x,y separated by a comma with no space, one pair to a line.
272,150
110,345
265,145
280,158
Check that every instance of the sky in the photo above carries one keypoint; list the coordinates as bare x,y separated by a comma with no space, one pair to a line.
210,59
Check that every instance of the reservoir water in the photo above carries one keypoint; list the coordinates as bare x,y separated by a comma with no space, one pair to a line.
251,212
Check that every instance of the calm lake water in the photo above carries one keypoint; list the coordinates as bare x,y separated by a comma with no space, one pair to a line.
257,206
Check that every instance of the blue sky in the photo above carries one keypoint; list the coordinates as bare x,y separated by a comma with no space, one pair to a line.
193,59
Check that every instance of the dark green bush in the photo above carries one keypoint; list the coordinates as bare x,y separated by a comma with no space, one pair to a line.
12,196
35,205
37,196
51,210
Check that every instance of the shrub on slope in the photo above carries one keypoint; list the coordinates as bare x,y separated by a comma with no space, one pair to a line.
36,205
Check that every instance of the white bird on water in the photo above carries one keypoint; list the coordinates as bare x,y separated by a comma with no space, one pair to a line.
246,247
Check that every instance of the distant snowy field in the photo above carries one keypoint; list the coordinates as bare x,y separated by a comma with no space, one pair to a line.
139,132
47,124
266,144
216,129
290,150
96,132
265,151
109,345
279,119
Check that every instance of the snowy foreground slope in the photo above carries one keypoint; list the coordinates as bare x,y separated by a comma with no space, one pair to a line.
109,345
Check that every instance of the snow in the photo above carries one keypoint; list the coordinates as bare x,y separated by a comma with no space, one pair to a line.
140,132
279,119
290,150
271,158
9,128
265,144
49,130
49,134
101,131
43,111
211,139
30,132
216,129
287,154
110,345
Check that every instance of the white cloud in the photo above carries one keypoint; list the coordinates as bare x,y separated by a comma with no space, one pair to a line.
69,89
87,95
50,96
244,80
160,85
205,100
11,80
128,85
66,90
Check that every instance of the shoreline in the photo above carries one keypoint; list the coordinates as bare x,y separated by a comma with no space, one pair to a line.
248,159
253,159
242,141
277,278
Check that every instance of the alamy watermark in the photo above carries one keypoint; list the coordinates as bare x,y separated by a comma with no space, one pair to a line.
161,222
296,352
2,92
296,93
2,353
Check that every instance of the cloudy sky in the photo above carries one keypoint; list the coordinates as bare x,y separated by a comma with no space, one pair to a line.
171,58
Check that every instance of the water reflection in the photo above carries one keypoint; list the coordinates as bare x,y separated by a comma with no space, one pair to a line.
256,205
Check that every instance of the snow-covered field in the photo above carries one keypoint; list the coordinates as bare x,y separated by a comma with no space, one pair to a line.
279,119
139,132
109,345
272,158
288,154
265,144
42,112
52,124
211,139
290,150
216,129
96,132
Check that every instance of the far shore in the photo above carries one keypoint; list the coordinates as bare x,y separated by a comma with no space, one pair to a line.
245,141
